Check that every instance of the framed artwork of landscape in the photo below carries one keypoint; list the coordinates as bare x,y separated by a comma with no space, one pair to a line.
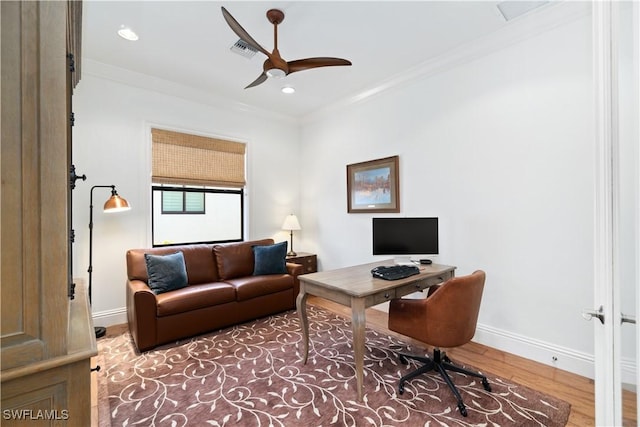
373,186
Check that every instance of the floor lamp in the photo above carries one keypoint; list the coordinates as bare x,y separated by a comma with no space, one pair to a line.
115,203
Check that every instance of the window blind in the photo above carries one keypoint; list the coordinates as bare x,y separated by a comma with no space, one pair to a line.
172,201
194,202
184,159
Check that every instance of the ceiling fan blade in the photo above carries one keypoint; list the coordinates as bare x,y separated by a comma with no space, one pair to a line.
261,79
308,63
237,28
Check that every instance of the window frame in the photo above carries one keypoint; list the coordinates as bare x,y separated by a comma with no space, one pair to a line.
184,203
161,188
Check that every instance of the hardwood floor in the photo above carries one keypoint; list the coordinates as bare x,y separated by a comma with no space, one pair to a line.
577,390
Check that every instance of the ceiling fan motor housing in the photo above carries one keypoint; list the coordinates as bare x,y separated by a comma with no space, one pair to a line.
275,66
275,16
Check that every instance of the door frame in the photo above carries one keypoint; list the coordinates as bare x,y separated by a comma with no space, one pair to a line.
607,335
608,395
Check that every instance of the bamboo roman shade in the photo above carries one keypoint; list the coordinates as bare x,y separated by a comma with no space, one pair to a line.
180,158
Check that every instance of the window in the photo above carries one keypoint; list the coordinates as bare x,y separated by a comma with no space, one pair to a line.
197,189
220,219
182,202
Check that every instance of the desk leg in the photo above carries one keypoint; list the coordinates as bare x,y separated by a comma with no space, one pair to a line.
301,303
358,324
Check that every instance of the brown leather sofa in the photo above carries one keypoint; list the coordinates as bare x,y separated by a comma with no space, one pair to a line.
222,291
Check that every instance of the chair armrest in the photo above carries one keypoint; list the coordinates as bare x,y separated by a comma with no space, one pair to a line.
432,289
142,314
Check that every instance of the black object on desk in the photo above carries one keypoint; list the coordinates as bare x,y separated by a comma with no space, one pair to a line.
394,272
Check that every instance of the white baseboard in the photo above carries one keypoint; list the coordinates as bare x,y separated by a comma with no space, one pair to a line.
116,316
628,371
557,356
567,359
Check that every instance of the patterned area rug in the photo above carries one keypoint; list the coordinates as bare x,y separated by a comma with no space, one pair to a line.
251,375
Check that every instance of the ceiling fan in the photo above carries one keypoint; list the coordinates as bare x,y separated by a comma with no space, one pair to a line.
274,65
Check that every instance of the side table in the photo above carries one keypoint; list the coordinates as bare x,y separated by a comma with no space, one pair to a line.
307,260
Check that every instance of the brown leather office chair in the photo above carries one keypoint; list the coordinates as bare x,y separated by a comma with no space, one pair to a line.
446,318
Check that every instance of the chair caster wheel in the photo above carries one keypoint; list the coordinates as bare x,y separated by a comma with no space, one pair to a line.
401,389
462,409
486,385
403,360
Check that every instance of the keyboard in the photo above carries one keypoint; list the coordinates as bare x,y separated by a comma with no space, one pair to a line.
394,272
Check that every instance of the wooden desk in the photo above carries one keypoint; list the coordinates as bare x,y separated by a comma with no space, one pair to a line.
355,287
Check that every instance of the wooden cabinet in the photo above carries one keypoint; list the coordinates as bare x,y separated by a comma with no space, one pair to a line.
46,339
307,260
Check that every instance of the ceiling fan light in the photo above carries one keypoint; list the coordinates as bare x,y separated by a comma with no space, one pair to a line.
276,73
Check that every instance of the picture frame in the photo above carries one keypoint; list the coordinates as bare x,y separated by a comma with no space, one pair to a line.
374,186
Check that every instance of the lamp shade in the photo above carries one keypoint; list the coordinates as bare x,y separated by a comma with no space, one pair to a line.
291,223
116,203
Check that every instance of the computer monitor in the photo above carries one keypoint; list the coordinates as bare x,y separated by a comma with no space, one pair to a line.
405,236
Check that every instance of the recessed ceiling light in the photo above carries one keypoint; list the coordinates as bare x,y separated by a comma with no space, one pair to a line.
288,90
127,33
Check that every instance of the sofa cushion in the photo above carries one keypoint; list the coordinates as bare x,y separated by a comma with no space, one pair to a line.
201,266
195,297
198,259
270,259
236,259
166,272
256,286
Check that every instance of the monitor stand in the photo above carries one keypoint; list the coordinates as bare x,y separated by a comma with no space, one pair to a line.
403,260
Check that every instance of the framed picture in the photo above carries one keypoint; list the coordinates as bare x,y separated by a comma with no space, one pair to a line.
373,186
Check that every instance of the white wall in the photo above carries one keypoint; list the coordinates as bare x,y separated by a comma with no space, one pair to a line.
501,150
112,146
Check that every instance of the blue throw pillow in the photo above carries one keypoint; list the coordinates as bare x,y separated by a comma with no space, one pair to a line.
166,272
270,259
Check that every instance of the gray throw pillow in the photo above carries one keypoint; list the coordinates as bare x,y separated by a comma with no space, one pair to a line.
166,272
270,259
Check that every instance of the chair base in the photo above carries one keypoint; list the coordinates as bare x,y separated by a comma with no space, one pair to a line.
441,363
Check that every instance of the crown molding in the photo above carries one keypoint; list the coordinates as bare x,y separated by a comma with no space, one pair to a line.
144,81
534,23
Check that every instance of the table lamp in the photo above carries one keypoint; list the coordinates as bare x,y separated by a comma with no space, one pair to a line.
291,223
